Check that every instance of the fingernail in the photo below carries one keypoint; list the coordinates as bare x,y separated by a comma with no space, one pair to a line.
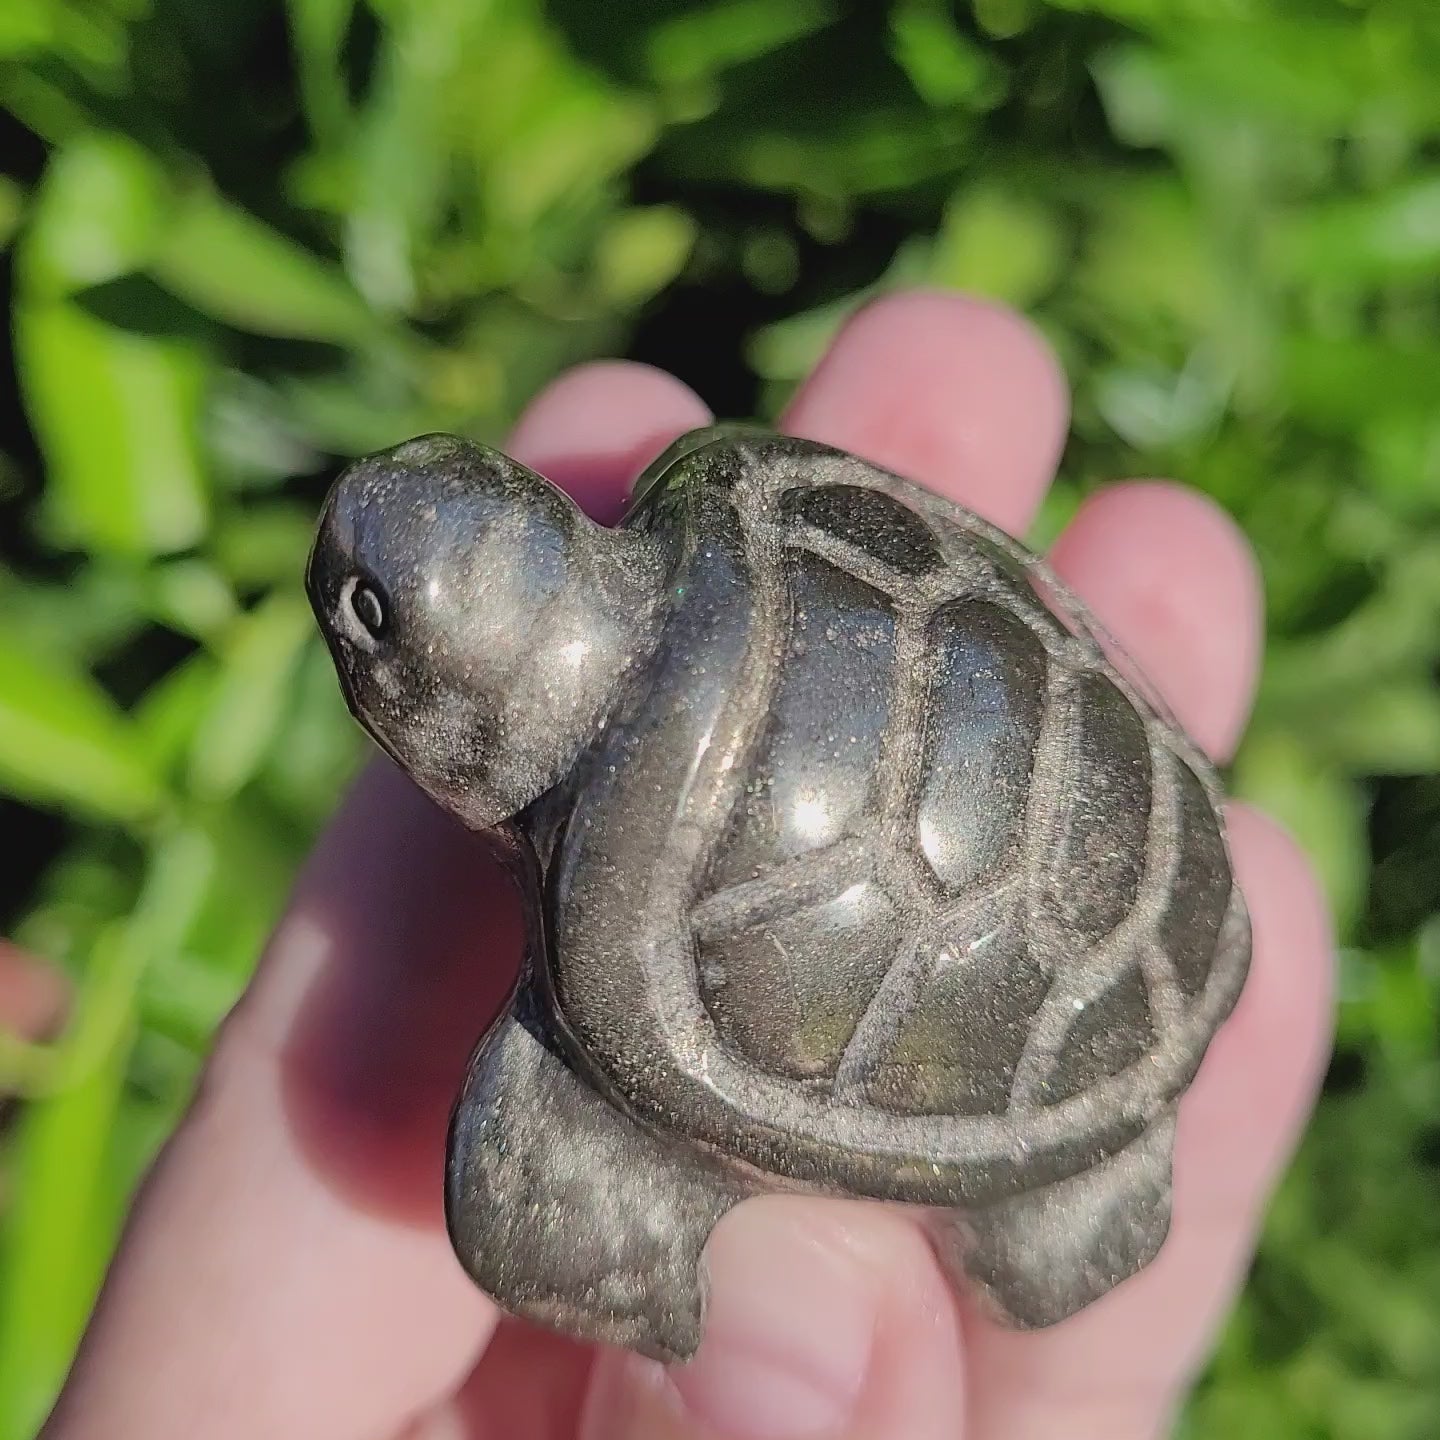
789,1327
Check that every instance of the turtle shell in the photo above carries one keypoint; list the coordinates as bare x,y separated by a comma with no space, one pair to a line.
885,877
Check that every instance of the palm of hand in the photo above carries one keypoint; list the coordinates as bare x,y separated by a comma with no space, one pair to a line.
287,1268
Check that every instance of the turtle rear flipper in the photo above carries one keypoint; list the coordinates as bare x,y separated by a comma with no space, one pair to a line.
1041,1257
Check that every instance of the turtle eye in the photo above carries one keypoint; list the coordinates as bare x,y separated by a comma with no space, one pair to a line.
365,608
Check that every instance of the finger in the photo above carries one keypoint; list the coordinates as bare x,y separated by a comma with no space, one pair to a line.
951,392
529,1385
632,411
1168,573
1117,1369
827,1320
32,994
288,1259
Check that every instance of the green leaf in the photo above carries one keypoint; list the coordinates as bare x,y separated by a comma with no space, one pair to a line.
641,251
789,349
709,38
1402,453
555,156
323,745
191,596
1386,729
173,710
54,1254
1321,808
998,244
249,698
230,265
1005,19
63,743
1152,409
88,617
117,415
266,545
1394,234
945,66
25,26
401,151
12,205
57,1243
1338,383
1395,632
1150,269
102,206
319,28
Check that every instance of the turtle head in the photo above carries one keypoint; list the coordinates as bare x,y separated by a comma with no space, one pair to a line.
481,625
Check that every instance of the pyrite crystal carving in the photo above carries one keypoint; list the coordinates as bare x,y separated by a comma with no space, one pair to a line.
850,863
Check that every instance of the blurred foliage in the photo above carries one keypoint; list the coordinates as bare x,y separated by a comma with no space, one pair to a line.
243,241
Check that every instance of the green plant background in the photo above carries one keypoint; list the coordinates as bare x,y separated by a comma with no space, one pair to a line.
243,240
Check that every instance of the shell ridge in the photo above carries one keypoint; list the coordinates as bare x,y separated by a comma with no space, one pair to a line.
712,790
896,996
1050,775
899,992
791,885
810,539
898,777
1085,980
1157,968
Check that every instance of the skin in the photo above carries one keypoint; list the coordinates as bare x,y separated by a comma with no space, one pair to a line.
286,1271
32,995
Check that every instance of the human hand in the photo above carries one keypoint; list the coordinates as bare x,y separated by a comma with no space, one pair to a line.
287,1271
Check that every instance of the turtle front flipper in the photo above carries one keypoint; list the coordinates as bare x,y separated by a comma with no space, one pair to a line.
567,1213
1039,1258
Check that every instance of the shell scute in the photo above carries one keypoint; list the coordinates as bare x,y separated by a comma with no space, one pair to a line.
1106,1036
813,775
957,1050
871,521
801,979
1191,926
1094,852
985,711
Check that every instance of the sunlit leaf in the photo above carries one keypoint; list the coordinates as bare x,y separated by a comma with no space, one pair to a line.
249,697
101,209
709,37
319,28
56,1246
230,265
642,251
63,743
997,244
118,418
1322,808
53,1251
25,26
1366,237
945,66
401,150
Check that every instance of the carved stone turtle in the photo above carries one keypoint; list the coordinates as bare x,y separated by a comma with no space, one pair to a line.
850,861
